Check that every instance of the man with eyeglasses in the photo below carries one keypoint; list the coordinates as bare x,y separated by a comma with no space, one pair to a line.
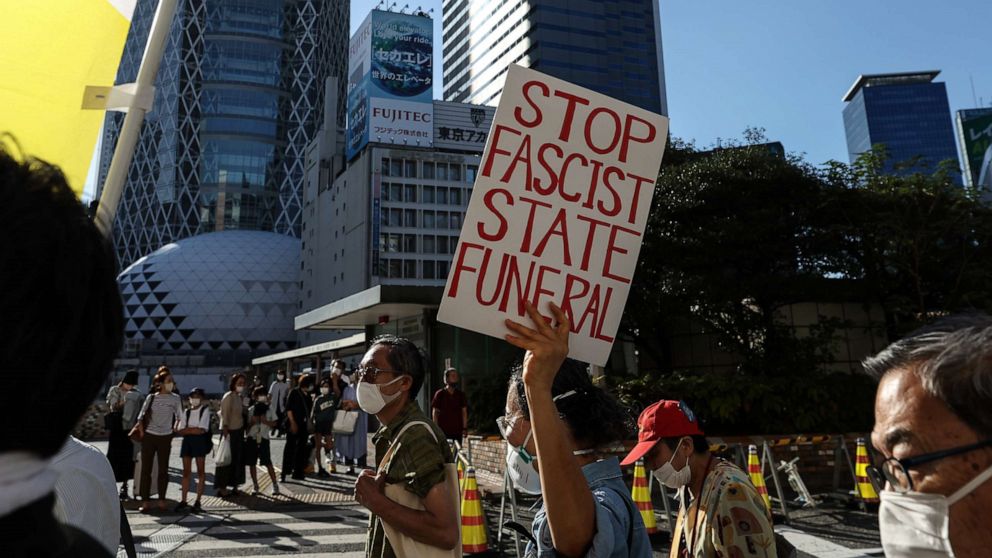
933,425
413,496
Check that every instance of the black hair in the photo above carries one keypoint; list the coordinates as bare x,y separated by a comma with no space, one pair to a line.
160,377
130,377
60,306
406,357
259,390
325,381
234,380
595,417
305,380
699,443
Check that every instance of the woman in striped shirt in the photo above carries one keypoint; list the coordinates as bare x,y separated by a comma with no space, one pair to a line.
160,417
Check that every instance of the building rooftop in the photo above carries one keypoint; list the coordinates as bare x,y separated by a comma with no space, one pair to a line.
870,80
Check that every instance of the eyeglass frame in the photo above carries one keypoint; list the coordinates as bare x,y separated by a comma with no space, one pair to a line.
362,371
878,474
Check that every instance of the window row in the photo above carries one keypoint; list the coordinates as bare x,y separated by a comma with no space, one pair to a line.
397,243
426,218
414,193
431,170
413,269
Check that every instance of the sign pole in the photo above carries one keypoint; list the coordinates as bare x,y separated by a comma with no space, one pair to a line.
130,130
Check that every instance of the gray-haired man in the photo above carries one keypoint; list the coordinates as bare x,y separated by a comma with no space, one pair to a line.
933,424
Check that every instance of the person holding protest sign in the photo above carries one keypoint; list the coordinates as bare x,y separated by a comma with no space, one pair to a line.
556,417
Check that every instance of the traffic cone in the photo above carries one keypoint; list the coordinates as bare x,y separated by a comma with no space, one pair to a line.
757,477
865,489
473,529
642,498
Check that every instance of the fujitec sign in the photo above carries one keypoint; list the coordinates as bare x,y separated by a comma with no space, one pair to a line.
557,212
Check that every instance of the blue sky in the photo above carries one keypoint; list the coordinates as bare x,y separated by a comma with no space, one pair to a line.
785,65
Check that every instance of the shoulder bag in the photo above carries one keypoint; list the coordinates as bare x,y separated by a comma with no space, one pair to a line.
345,422
403,545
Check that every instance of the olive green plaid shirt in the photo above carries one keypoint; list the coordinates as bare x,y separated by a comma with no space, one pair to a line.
418,463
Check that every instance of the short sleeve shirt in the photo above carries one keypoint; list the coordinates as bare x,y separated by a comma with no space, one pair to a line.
449,411
620,530
733,518
418,463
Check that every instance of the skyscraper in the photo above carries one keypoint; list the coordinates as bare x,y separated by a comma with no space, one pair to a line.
907,112
609,46
239,95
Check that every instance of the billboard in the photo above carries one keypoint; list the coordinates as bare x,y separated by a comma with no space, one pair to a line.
461,126
557,212
975,133
390,81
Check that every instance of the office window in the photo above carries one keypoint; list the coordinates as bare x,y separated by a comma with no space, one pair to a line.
410,243
442,245
455,196
409,269
428,269
442,219
470,172
429,245
442,269
395,192
455,220
385,166
410,193
396,268
396,167
442,195
411,169
428,219
455,172
395,217
428,196
428,170
442,171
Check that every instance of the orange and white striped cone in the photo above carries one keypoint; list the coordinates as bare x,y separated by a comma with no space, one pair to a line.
473,529
866,491
757,477
642,498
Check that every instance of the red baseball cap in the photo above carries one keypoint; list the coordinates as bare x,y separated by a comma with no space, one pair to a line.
664,419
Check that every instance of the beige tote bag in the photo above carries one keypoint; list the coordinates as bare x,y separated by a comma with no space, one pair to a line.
403,545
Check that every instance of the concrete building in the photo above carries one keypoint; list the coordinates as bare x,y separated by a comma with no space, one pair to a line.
610,46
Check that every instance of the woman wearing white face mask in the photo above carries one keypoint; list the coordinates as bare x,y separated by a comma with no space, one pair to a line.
561,431
322,416
352,448
673,446
228,478
158,420
196,445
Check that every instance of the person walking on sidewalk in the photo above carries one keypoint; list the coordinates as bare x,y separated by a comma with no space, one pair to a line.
450,408
296,452
561,430
228,478
197,443
261,421
413,454
721,512
353,448
158,421
124,402
278,392
324,410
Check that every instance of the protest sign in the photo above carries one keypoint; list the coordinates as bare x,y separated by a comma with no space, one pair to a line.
557,212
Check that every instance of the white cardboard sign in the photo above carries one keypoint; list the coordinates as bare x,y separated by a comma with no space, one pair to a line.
557,212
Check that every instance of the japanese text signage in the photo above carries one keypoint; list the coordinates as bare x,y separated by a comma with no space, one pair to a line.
390,84
557,212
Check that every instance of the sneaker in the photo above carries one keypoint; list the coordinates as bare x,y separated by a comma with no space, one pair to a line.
255,491
196,507
183,507
275,490
351,470
323,474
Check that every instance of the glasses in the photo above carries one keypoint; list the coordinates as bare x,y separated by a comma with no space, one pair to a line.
505,424
368,373
895,471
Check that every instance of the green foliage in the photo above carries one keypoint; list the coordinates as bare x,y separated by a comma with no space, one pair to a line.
739,234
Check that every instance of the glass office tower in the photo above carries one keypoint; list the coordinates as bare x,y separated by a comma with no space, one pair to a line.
906,112
609,46
239,95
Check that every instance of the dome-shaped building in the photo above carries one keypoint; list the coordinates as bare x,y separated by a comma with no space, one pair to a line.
225,296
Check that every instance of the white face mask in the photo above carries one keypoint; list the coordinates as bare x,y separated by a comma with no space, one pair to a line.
371,399
522,472
167,387
346,380
280,377
262,399
325,390
918,524
239,389
194,401
668,476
